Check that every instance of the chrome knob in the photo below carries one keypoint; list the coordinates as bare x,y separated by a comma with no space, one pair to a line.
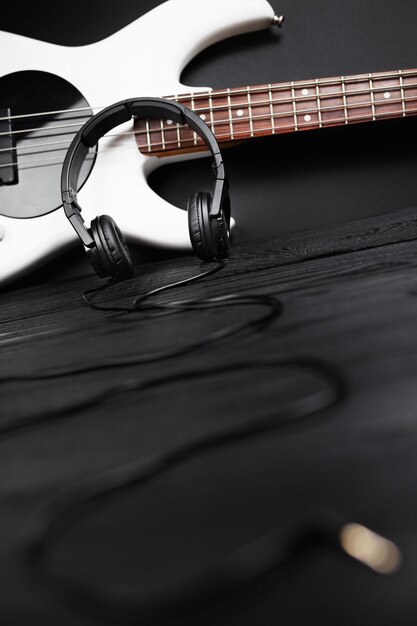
278,20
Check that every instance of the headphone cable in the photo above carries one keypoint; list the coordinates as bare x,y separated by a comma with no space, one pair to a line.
48,522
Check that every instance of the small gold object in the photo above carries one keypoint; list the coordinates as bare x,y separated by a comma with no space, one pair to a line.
378,553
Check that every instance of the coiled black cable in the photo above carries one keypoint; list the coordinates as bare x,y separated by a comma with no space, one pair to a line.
273,310
48,523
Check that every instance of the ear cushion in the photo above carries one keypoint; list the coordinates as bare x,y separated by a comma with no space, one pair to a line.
209,236
196,226
111,255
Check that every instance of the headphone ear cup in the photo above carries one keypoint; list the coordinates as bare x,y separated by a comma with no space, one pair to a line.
209,236
197,226
220,236
110,254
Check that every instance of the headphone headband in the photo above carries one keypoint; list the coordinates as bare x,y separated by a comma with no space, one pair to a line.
101,123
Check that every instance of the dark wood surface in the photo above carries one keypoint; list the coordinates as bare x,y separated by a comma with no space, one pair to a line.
349,298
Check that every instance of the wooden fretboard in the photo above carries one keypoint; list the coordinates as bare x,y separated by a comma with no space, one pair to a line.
247,112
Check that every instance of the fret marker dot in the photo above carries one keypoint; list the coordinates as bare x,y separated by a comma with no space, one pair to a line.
307,118
239,112
169,122
305,92
203,117
387,95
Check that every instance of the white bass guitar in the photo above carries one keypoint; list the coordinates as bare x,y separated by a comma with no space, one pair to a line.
39,78
48,91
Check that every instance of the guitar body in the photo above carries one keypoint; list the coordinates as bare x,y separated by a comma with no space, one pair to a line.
143,59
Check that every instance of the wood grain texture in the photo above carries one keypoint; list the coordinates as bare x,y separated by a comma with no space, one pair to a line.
349,298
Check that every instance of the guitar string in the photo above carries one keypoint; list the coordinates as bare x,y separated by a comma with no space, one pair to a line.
223,107
323,82
302,99
154,144
287,114
158,145
353,105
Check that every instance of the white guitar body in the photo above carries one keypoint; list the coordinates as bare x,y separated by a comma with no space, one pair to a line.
132,62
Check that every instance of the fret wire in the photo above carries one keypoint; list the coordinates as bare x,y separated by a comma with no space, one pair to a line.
193,109
344,99
249,110
359,105
318,103
148,137
372,97
271,109
162,134
211,112
178,136
400,74
294,108
230,114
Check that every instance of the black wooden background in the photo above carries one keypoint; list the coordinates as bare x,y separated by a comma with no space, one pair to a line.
350,298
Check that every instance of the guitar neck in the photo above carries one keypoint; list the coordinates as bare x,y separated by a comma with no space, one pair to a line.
243,113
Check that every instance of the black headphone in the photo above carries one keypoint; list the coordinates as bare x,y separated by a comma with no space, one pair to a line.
208,217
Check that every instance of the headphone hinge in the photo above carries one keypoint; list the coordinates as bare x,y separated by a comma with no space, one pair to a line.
218,166
73,212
